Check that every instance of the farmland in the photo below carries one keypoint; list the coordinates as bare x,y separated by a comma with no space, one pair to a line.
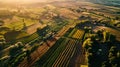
59,34
63,51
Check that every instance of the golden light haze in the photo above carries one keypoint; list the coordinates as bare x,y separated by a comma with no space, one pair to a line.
23,1
28,1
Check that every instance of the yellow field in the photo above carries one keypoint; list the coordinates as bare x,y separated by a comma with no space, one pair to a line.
78,34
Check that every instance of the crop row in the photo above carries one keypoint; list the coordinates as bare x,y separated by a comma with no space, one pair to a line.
65,56
61,53
53,52
78,34
72,32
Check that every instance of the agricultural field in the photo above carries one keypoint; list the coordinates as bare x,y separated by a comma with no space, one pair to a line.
66,33
77,35
63,51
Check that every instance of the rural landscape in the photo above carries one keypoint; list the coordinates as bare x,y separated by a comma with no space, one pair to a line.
60,33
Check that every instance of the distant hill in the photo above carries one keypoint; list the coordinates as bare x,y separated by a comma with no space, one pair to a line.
107,2
104,2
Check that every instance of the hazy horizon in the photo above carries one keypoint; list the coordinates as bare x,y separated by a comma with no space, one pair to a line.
27,1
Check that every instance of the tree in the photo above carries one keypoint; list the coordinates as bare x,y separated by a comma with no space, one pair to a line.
117,18
118,57
24,26
106,64
104,36
99,33
113,50
1,23
112,38
28,55
90,59
113,61
87,43
113,56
